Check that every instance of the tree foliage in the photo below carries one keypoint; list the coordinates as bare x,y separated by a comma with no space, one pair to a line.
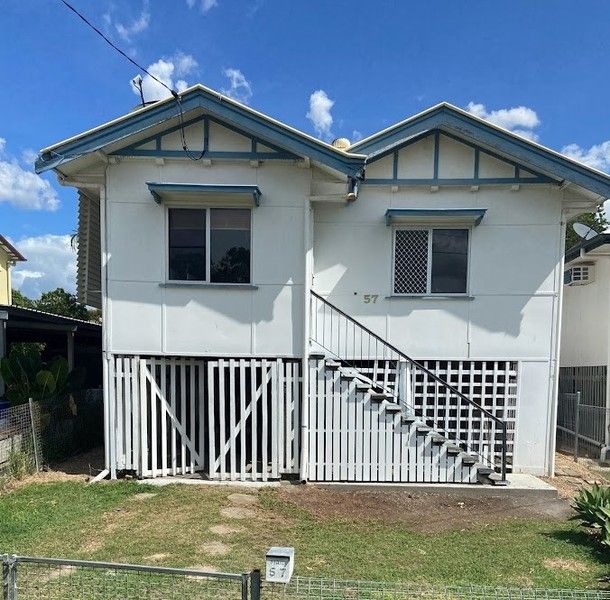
58,302
597,221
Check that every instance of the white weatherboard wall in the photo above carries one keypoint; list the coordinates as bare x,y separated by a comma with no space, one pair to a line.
514,281
148,318
585,322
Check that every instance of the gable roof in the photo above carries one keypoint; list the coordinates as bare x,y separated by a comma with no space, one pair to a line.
12,252
443,117
200,97
446,117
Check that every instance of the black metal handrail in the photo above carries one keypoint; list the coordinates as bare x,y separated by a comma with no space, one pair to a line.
500,423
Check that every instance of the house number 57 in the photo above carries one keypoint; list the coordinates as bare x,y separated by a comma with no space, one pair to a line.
370,298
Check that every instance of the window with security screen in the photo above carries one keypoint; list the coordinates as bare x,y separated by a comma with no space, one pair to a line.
430,261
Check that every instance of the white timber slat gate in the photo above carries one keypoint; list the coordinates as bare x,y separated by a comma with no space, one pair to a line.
229,418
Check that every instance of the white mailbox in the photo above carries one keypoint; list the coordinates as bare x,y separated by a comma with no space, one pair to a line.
280,564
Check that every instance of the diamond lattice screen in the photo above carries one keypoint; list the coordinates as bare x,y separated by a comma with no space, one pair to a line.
411,261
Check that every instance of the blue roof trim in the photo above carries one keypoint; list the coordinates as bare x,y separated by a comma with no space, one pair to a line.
220,107
394,215
445,117
587,245
157,189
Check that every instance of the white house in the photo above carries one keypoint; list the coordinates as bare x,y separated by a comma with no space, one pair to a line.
277,306
585,335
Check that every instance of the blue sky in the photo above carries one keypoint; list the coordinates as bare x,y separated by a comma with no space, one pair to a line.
539,67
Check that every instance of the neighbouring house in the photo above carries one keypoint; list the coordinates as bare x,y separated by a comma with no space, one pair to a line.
275,306
9,255
585,340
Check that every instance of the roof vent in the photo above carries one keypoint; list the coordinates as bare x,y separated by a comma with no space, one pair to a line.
341,143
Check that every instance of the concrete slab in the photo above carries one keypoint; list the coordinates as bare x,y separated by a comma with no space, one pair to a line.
521,485
162,481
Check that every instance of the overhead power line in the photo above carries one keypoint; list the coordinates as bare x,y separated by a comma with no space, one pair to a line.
173,92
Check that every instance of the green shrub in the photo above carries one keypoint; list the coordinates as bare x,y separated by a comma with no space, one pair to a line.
593,508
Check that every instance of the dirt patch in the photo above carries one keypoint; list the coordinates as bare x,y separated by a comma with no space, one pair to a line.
242,499
56,573
563,564
215,548
237,512
157,557
426,513
225,529
143,496
570,476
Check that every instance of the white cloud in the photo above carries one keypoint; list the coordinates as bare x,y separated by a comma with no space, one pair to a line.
51,263
204,5
519,119
22,187
597,156
137,26
28,157
356,136
239,87
171,71
319,113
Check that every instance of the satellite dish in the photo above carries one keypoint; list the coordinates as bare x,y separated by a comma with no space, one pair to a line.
584,231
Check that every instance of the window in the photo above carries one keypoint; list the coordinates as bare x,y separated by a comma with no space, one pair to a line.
430,261
209,245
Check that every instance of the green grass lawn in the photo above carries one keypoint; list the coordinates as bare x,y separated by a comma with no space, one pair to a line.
128,522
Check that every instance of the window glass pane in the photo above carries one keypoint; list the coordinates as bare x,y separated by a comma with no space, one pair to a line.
230,245
187,259
411,261
449,261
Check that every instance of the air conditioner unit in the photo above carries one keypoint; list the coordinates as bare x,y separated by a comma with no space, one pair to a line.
581,274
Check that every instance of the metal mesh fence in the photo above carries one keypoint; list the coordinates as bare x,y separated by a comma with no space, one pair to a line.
27,578
20,441
307,588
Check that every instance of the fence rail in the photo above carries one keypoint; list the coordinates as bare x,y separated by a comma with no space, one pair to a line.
20,441
29,578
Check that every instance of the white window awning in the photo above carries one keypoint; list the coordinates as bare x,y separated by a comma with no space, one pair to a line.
463,216
183,191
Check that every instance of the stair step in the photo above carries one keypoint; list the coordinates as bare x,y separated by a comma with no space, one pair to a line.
392,407
380,396
437,438
332,364
485,470
423,429
453,449
363,387
347,374
317,355
496,479
469,459
409,419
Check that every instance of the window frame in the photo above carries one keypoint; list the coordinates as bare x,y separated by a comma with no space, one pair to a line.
207,206
430,229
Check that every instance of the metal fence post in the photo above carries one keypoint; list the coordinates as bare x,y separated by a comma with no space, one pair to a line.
576,426
255,585
34,435
9,577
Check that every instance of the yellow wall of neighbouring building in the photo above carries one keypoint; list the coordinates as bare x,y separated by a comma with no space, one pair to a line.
5,278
